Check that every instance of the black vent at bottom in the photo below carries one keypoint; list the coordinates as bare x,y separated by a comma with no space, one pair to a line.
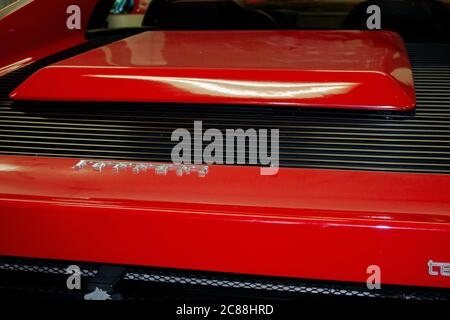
141,282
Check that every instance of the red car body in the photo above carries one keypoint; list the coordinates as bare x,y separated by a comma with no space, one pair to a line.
299,223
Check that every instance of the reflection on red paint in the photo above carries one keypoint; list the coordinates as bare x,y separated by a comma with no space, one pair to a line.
345,69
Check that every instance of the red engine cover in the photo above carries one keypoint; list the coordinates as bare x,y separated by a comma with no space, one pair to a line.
340,69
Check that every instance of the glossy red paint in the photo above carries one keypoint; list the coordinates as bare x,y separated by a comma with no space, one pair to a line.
320,224
343,69
34,29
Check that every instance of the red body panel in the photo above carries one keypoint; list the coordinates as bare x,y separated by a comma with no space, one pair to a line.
320,224
32,30
344,69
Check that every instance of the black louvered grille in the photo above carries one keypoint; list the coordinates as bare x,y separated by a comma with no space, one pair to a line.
309,138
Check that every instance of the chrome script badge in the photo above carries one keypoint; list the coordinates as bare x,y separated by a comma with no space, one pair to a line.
438,268
137,167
